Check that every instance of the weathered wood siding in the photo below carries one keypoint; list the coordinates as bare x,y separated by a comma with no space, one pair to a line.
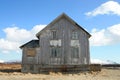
31,59
64,30
28,61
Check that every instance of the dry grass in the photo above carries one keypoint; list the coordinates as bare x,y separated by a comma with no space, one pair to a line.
105,74
9,66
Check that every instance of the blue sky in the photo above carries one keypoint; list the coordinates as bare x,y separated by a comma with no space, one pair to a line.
20,20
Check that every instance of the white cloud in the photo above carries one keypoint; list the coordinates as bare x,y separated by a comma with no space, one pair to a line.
98,61
16,36
115,29
110,7
6,46
37,28
108,36
1,61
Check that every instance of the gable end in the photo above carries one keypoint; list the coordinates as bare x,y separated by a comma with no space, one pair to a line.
63,15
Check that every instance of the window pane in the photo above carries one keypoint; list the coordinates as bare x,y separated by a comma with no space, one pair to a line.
52,52
54,36
31,67
58,52
55,52
74,35
30,59
75,52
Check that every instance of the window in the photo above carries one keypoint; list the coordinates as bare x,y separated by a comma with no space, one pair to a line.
85,60
31,52
30,59
55,52
74,35
75,52
24,67
31,67
54,34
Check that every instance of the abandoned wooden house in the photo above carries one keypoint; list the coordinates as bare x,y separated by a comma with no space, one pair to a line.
61,44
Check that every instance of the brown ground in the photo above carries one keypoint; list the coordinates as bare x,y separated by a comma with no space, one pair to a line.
9,66
105,74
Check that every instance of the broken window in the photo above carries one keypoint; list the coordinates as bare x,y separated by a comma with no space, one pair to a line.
75,52
74,35
54,34
55,52
31,52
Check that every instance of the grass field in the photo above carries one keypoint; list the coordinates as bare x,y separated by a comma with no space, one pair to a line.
12,72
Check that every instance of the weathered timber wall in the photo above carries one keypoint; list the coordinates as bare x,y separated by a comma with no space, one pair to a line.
64,30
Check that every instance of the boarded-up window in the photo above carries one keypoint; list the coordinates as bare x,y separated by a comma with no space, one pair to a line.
55,52
75,52
31,52
74,35
54,34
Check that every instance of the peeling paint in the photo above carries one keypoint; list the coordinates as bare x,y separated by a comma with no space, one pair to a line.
55,42
74,43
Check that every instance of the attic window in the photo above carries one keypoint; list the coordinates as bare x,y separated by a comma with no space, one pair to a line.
31,52
74,35
54,34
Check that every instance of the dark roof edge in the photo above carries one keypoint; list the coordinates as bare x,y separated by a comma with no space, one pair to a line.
83,29
37,35
57,18
75,23
27,43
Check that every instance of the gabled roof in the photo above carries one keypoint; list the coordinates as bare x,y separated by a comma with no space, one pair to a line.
31,44
58,18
